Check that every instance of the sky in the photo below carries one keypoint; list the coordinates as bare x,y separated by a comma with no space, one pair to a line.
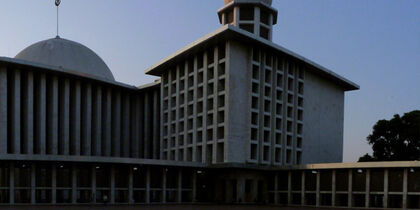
374,43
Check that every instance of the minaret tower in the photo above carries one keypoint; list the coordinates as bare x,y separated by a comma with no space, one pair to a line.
254,16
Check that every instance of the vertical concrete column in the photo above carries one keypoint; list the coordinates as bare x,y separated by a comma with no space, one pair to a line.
33,183
52,113
74,184
147,117
3,111
96,121
41,111
205,96
270,24
257,15
112,184
223,18
28,115
194,187
116,124
276,188
240,189
318,186
93,184
302,195
289,188
140,125
405,178
12,183
236,16
130,186
54,184
15,112
86,123
179,185
177,110
195,119
135,123
75,120
156,118
125,133
386,175
106,126
148,185
215,102
333,187
367,187
164,172
64,118
350,188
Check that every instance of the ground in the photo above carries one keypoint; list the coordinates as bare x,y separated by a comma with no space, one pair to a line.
164,207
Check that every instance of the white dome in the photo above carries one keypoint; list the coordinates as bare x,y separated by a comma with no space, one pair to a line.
67,55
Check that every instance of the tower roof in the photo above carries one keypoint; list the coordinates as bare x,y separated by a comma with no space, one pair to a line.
67,55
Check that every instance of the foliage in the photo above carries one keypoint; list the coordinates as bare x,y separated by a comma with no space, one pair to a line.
396,139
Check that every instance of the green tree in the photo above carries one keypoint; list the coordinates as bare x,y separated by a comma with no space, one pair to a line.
396,139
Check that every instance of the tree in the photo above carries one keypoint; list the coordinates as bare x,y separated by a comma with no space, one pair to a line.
396,139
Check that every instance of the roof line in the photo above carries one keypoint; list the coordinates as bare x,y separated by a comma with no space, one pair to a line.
228,28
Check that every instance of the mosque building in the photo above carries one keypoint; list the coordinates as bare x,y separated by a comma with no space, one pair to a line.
233,118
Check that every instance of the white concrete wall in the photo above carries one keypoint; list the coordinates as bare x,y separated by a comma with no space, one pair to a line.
322,121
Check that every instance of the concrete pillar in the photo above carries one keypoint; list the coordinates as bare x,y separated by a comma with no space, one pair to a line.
3,110
179,196
333,187
33,183
350,188
130,186
93,184
257,15
386,175
112,184
15,112
135,122
74,184
75,119
52,113
270,24
194,187
276,188
12,183
405,178
96,121
148,185
28,115
156,124
106,126
86,124
367,187
64,148
141,125
164,172
41,112
54,184
240,189
303,189
318,186
116,124
236,16
289,188
125,132
147,128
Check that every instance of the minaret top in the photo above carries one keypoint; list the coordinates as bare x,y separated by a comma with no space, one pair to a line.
254,16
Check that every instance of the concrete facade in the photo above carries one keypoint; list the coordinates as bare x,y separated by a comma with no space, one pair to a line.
228,113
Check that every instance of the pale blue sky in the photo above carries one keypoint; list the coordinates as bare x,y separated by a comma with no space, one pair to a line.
374,43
